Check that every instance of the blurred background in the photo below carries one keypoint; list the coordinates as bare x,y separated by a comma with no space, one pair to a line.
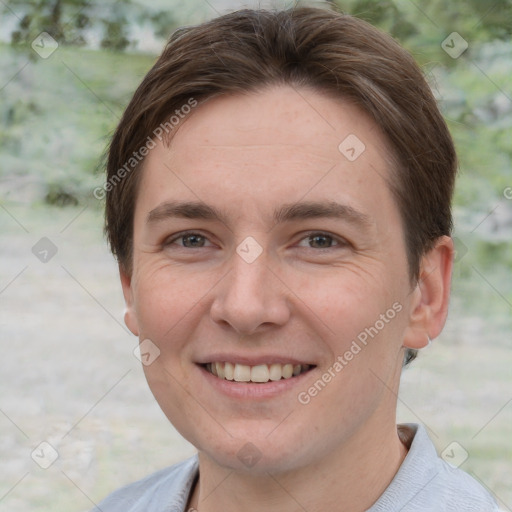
68,376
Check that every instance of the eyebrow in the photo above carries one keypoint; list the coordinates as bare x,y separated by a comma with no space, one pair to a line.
285,213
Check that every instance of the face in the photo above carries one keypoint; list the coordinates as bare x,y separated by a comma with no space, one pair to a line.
262,243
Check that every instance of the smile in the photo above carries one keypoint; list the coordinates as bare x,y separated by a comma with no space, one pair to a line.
260,373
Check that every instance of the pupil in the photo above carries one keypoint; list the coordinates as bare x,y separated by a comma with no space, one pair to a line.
325,239
194,239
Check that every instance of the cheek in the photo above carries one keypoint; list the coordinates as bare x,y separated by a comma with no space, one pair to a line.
164,299
344,298
360,316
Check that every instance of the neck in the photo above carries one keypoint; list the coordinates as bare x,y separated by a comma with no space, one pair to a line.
351,479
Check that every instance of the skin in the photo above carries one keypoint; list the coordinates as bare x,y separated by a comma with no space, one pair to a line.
308,299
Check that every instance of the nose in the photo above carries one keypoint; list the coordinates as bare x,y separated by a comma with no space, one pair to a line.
251,297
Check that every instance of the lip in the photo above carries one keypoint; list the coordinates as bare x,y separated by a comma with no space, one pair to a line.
252,391
252,360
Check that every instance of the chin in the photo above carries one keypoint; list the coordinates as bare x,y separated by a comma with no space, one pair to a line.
257,453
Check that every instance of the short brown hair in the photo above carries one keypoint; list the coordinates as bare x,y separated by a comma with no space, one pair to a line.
333,53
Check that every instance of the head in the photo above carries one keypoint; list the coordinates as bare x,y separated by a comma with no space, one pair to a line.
250,116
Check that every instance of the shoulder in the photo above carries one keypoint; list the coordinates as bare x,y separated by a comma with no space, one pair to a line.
426,482
460,491
166,490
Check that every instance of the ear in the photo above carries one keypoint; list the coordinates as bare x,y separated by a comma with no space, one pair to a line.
430,297
130,317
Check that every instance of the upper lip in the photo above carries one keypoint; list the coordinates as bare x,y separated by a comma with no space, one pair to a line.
252,360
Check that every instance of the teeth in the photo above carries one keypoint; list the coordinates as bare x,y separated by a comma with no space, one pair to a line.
242,373
275,372
258,373
287,371
229,370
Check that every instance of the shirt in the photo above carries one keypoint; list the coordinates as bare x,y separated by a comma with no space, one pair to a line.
424,482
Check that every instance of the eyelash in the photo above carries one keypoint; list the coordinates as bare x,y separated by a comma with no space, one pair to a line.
339,242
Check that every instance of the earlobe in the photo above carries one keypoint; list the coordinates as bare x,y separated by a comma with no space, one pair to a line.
430,298
130,317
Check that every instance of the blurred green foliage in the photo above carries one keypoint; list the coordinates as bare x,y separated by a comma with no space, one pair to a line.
67,21
78,22
408,20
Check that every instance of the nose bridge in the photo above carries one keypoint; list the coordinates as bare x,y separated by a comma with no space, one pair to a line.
247,279
250,294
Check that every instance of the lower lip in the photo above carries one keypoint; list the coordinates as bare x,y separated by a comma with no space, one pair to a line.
250,390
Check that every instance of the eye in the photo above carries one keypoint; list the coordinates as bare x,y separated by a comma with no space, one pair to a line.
190,240
314,240
319,240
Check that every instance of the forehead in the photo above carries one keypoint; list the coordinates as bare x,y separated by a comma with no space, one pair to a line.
276,117
277,145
